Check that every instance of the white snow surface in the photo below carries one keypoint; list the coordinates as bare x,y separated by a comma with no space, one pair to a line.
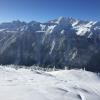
2,30
52,47
63,31
27,84
50,29
84,28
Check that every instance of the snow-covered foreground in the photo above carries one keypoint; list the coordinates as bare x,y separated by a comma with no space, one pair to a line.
24,84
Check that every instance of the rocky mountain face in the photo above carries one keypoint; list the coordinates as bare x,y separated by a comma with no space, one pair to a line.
60,42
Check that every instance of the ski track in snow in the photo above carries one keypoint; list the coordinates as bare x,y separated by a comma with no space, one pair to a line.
27,84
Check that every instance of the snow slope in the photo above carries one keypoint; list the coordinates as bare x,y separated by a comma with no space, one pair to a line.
27,84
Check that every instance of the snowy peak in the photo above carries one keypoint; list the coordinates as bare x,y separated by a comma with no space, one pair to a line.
84,28
61,20
64,20
81,27
57,25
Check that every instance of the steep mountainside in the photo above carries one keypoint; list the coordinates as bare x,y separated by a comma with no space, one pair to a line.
60,42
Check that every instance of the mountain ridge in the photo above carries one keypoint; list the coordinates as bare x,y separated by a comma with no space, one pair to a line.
60,42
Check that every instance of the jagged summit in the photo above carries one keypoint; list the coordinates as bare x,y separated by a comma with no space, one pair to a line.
63,20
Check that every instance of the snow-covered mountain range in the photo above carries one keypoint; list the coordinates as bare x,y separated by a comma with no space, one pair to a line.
60,42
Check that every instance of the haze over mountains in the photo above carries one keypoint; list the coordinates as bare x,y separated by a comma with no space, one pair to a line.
60,42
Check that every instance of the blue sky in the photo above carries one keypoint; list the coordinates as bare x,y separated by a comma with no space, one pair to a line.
44,10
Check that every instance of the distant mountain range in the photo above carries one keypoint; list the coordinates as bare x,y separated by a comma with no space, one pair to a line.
60,42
